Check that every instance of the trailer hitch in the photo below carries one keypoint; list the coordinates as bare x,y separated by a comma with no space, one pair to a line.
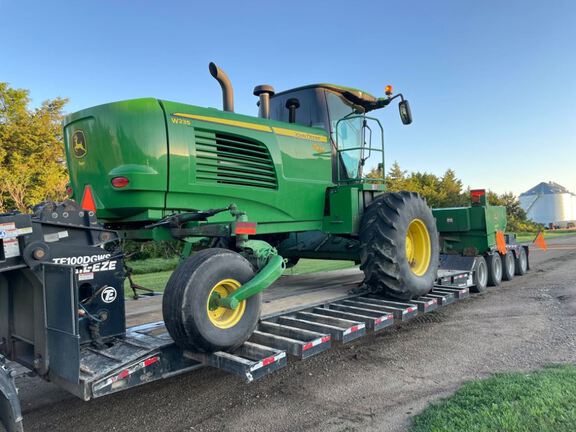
10,411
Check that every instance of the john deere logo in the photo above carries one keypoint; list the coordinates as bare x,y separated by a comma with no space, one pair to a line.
79,144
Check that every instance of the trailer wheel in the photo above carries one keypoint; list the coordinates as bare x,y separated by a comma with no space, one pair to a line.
521,262
190,320
480,275
494,269
399,247
508,266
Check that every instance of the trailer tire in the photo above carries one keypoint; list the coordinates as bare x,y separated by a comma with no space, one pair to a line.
521,262
188,318
399,246
480,275
508,266
494,269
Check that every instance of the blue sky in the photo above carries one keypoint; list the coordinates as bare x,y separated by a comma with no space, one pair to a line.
492,84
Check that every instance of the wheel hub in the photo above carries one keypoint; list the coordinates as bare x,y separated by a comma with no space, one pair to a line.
219,316
418,247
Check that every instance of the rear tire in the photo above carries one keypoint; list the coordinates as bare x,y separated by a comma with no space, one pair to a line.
494,269
521,262
480,276
188,318
508,266
399,246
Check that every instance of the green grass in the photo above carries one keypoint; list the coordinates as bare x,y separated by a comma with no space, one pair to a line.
542,401
523,237
161,269
153,265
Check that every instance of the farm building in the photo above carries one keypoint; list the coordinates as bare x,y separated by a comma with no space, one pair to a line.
550,204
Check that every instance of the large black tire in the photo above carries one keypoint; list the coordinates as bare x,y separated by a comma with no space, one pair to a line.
383,252
480,275
508,266
185,303
494,269
521,262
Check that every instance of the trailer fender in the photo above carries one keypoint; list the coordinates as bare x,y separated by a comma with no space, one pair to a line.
10,412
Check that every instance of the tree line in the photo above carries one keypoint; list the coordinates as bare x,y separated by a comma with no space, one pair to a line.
448,191
33,163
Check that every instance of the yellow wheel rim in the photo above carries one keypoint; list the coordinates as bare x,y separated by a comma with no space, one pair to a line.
222,317
418,247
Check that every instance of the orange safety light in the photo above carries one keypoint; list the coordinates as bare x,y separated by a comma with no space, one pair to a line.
388,90
88,199
245,228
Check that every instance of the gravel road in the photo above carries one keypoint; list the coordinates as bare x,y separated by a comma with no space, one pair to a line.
376,384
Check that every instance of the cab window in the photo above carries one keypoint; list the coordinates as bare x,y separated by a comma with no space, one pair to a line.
347,133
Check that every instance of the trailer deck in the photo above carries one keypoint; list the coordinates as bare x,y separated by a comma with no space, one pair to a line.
331,316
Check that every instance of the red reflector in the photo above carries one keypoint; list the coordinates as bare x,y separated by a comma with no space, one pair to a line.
88,200
378,320
150,361
476,194
268,360
245,228
325,339
120,182
353,329
307,346
123,374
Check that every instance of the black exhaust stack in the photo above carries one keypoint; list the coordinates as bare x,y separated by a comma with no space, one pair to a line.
292,104
227,91
264,92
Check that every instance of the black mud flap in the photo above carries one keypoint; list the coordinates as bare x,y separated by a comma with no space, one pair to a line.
10,413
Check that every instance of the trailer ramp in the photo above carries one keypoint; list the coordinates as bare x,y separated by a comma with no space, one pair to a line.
298,335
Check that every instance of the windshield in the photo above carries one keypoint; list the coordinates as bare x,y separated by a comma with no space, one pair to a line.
349,134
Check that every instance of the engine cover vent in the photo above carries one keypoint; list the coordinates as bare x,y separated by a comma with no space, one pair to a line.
229,159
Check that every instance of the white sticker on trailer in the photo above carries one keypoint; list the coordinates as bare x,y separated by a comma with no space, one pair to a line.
11,248
85,276
8,230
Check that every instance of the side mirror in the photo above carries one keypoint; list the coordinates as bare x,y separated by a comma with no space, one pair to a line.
405,113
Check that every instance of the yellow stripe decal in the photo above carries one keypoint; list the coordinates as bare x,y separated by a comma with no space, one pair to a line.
299,134
226,122
254,126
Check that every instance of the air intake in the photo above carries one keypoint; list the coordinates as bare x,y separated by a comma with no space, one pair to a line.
228,159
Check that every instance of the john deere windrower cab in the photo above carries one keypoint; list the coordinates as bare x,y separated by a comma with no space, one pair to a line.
256,192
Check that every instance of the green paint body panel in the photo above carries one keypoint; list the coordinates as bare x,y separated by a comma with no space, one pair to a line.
464,229
346,204
121,140
279,179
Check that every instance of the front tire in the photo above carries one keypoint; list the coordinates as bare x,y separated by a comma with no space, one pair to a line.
188,315
399,246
